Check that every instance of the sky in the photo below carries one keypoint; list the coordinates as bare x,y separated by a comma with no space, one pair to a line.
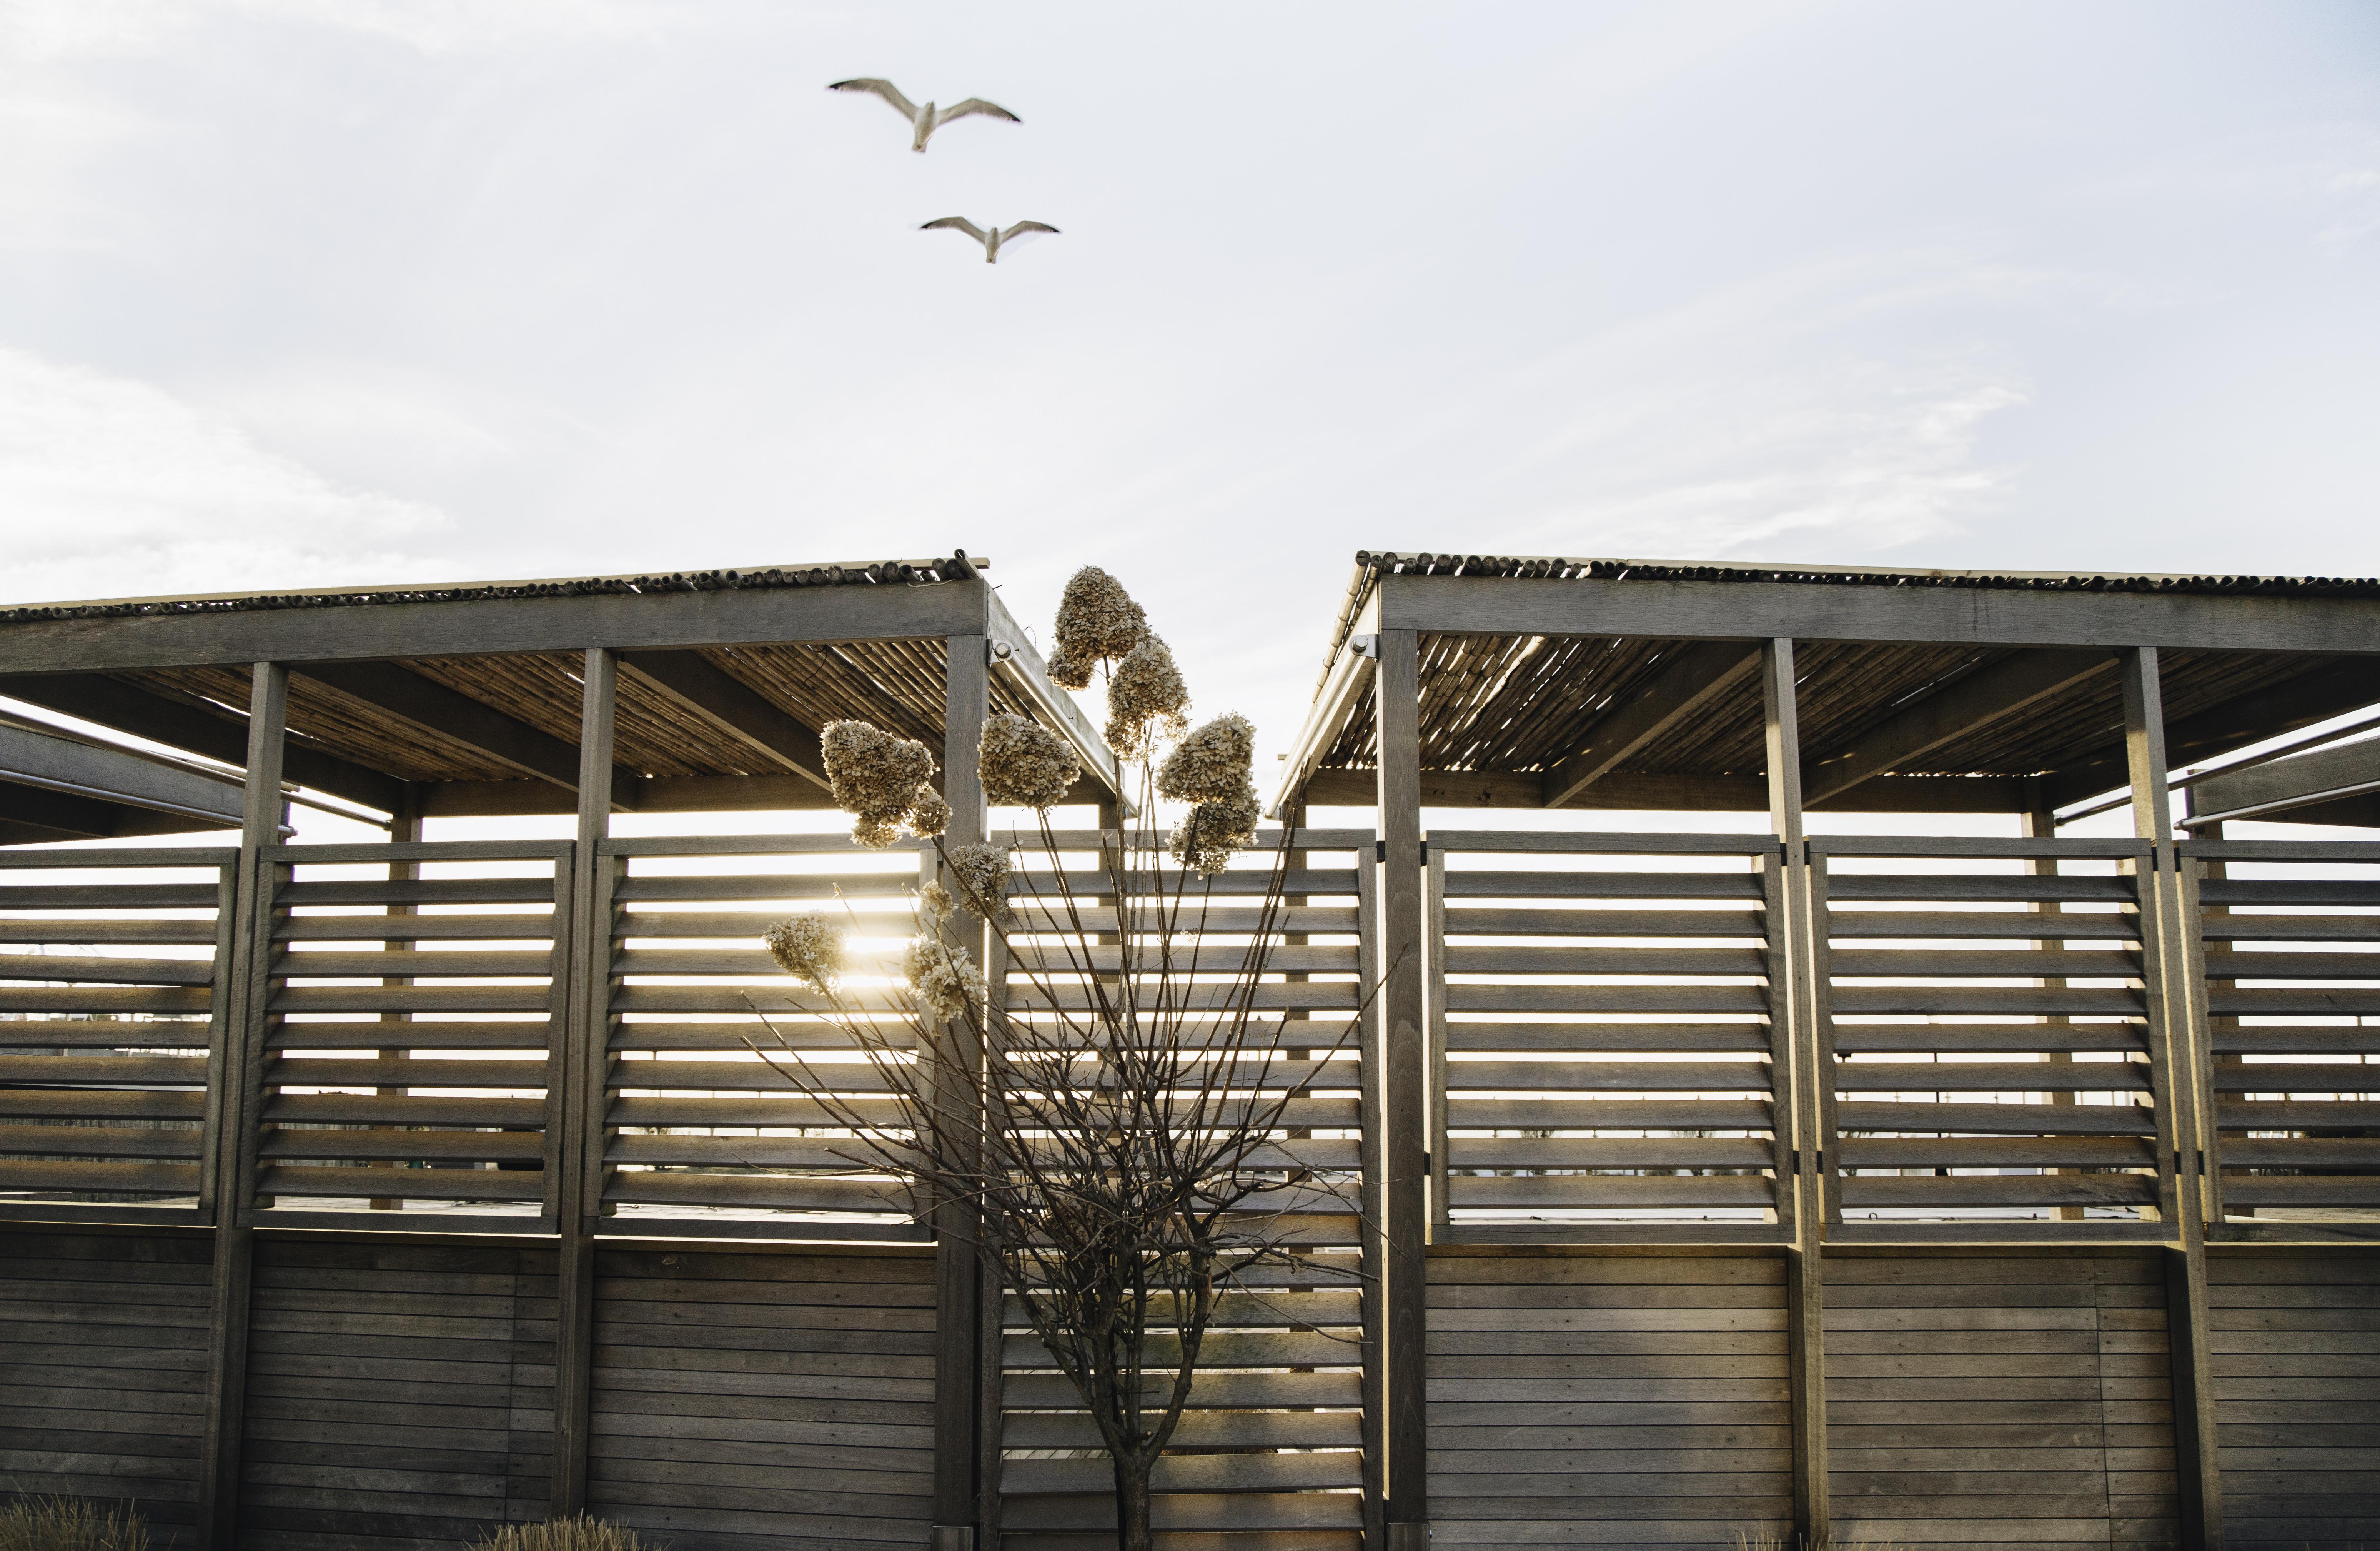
318,292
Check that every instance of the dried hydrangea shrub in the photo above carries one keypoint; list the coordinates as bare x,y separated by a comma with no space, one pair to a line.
1145,700
983,868
876,778
1024,764
1069,671
1097,618
1216,830
931,813
1212,763
808,947
944,980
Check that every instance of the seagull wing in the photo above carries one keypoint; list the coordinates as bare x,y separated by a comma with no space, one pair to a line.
973,104
1025,229
957,224
883,89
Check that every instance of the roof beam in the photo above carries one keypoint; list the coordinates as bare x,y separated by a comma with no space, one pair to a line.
700,687
477,626
2251,718
110,702
1683,687
128,783
408,697
1726,794
1886,615
2285,787
1983,697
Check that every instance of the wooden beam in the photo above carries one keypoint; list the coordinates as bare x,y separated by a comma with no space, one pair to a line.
235,1109
2181,1103
700,687
1817,611
1805,1290
1686,687
1987,695
116,779
1349,676
1404,1144
492,626
110,702
584,1068
961,1310
2280,789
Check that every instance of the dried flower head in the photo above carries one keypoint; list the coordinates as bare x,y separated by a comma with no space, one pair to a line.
1212,763
1145,699
882,781
982,869
1097,618
935,906
808,947
1069,671
1214,830
944,978
1024,764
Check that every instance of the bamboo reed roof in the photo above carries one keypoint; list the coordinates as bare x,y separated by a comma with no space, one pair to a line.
1522,703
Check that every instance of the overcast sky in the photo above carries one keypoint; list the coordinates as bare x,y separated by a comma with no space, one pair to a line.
301,292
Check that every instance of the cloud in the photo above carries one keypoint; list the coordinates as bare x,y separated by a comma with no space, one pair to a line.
116,488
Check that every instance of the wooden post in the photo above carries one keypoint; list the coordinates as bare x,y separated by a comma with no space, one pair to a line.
1403,1145
240,1110
404,828
1811,1091
2041,824
584,1068
2166,944
967,1316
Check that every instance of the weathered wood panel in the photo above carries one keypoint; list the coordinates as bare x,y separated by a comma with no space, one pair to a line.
1987,1400
1613,1400
103,1366
399,1396
777,1401
2296,1345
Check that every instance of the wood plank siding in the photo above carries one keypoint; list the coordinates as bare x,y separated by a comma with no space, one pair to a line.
2296,1343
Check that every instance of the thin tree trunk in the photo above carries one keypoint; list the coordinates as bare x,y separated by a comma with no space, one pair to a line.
1132,1505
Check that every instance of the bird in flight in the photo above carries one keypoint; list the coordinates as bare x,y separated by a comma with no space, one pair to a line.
992,240
924,121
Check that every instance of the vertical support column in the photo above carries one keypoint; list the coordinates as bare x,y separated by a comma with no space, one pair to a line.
585,1060
1810,1092
2165,943
403,829
966,1300
2041,824
240,1111
1402,1148
1372,1264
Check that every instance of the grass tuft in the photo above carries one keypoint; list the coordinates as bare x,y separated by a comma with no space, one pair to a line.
581,1534
1767,1540
70,1524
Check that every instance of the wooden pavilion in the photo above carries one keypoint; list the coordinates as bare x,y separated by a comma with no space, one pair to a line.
2048,1212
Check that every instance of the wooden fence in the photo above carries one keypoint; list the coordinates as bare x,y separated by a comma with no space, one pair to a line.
1956,1193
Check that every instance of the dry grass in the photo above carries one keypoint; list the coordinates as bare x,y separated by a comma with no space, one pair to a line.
565,1534
70,1524
1767,1541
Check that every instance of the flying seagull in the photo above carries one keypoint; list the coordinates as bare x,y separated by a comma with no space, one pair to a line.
992,240
925,120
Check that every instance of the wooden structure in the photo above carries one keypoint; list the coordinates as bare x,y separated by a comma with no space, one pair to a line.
329,1170
1916,1186
1956,1191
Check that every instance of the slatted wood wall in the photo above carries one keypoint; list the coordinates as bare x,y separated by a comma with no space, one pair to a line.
109,1004
400,1396
412,1025
697,1124
1994,1030
2295,1339
2290,937
1601,1017
1606,1398
104,1367
1995,1399
1270,1453
779,1401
